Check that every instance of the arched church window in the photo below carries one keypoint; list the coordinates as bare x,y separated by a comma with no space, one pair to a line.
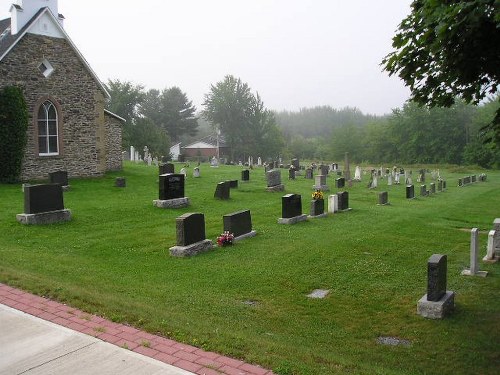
48,130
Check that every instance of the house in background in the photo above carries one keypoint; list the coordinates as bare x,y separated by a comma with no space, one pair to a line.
69,129
206,148
175,151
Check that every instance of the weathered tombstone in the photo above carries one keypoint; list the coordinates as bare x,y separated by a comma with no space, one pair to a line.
491,257
343,201
171,191
473,178
324,170
296,164
333,203
190,230
474,250
291,209
120,182
460,182
309,174
60,178
291,173
273,178
196,172
214,163
222,190
389,180
320,183
410,192
440,186
438,301
340,183
239,224
317,208
467,180
245,175
233,184
43,204
444,185
432,188
423,191
383,198
357,174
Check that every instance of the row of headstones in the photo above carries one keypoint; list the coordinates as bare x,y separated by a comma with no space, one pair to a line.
191,237
471,179
424,192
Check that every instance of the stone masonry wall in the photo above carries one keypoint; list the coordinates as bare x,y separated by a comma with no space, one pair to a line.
78,96
113,143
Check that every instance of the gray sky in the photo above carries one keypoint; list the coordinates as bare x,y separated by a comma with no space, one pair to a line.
295,53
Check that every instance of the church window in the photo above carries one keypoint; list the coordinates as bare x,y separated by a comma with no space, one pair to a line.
45,68
48,130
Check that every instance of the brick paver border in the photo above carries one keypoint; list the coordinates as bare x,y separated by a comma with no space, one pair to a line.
160,348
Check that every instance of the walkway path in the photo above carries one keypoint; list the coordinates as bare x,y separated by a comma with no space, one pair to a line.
182,356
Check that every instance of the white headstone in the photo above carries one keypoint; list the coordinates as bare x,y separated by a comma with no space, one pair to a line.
196,172
389,179
259,161
333,203
183,171
357,173
474,249
132,153
490,249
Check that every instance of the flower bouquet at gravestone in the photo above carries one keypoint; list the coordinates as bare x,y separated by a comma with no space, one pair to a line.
318,194
225,239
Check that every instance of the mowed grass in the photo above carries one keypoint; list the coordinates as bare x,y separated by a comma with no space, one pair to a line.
112,260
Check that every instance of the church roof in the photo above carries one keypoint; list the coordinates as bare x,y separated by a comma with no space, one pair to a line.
8,41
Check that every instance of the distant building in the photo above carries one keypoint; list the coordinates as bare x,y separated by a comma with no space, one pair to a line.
206,147
175,151
69,129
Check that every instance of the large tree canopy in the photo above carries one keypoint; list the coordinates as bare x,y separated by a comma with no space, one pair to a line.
448,48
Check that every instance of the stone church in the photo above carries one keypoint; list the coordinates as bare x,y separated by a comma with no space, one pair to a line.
69,128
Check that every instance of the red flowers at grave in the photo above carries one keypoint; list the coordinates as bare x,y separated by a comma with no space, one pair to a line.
318,194
225,239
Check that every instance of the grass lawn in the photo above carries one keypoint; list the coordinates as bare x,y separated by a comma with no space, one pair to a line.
112,260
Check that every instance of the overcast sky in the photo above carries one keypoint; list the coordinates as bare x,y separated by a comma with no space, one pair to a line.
295,53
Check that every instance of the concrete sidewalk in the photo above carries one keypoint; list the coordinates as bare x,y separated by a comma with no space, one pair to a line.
32,346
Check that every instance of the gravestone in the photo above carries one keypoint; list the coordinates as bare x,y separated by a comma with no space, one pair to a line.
467,180
245,175
190,231
340,183
491,257
474,251
357,173
440,186
233,184
183,171
383,198
423,191
317,208
324,170
166,168
460,182
343,201
60,178
291,173
473,178
389,180
43,204
171,191
410,192
291,209
320,183
296,164
444,185
309,174
196,172
222,191
239,224
273,179
120,182
333,203
437,302
433,188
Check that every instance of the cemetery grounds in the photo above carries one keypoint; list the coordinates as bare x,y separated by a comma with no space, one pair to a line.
249,301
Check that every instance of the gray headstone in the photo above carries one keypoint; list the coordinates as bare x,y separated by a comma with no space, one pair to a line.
273,178
190,229
383,198
309,174
436,277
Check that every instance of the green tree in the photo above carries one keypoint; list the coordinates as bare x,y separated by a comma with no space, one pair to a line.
145,133
13,137
449,49
172,110
231,108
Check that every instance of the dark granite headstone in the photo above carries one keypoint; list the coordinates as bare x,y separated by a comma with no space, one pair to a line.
296,163
222,190
444,184
233,184
120,182
440,185
436,277
324,169
190,229
340,183
171,186
291,173
309,173
238,223
433,188
473,178
343,199
467,180
410,192
245,175
59,177
317,207
383,198
166,168
43,198
291,206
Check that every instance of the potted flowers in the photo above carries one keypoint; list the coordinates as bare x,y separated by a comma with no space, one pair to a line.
225,239
317,203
